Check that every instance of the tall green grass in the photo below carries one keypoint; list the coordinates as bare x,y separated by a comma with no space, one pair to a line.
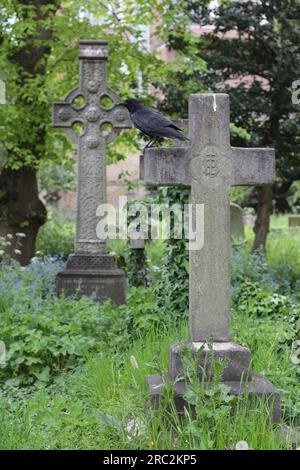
102,404
93,407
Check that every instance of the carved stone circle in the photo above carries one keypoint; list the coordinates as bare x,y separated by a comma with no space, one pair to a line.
92,86
92,114
92,142
120,115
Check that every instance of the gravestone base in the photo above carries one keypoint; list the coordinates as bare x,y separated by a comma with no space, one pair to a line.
92,275
236,375
259,387
235,358
294,221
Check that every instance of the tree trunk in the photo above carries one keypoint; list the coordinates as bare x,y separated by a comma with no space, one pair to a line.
262,223
21,211
281,192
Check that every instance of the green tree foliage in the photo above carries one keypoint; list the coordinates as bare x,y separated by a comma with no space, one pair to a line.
252,52
39,60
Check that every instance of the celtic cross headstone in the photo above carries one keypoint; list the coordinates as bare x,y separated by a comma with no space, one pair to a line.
210,166
99,113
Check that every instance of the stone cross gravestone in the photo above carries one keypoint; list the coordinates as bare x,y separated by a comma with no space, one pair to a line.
210,166
91,270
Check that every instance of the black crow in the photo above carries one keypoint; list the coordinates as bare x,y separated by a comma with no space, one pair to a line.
150,122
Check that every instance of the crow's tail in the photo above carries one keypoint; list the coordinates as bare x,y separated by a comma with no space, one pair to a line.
181,136
173,132
186,138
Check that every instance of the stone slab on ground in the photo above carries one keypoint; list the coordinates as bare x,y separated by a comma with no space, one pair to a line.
259,387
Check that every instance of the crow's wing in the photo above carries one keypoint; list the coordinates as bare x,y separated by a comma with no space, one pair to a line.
151,122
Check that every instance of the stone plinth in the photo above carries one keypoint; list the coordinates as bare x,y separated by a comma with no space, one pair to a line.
236,374
257,388
92,276
236,360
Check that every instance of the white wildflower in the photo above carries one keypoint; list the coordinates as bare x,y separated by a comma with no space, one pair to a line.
242,445
135,428
2,352
7,243
295,359
295,356
9,236
17,252
20,235
134,362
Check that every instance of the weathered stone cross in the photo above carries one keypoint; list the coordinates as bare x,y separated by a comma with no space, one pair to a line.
91,270
210,166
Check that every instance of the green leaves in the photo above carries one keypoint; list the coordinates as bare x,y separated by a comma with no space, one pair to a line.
249,298
52,69
252,56
45,335
111,422
44,375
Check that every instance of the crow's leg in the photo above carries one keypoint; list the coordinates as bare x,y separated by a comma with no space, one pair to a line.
149,144
152,142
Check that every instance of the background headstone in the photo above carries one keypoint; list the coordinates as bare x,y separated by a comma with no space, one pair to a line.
91,271
237,226
137,262
294,221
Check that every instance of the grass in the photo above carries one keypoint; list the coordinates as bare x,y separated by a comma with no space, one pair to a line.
283,250
101,404
91,408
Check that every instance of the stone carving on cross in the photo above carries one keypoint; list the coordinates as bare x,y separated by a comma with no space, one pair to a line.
209,166
102,116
